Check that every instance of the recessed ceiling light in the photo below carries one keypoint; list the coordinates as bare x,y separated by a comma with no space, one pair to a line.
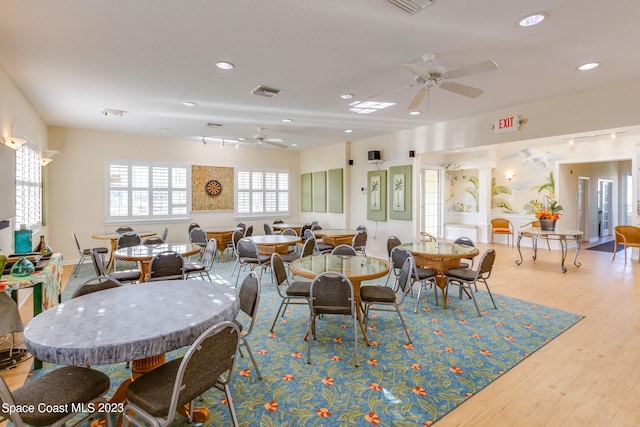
294,145
348,130
164,130
190,104
287,120
588,66
531,20
415,113
347,96
225,65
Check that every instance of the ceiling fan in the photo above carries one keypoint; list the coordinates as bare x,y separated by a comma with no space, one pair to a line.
428,74
261,139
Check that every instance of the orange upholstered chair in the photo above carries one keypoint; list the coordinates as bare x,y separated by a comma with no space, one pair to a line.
502,226
628,236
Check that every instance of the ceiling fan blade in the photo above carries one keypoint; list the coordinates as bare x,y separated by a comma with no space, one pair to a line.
460,89
275,143
481,67
417,100
273,140
420,69
392,90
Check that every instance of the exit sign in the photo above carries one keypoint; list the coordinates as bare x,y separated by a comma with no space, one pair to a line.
506,124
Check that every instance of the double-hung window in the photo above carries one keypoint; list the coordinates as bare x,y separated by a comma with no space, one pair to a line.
262,192
147,191
28,186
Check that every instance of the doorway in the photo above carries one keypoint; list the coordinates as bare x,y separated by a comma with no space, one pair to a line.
605,206
583,206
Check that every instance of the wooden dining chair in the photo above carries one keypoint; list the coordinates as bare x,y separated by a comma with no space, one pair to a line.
502,226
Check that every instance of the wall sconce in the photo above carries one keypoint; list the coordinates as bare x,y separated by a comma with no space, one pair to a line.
48,156
509,175
13,142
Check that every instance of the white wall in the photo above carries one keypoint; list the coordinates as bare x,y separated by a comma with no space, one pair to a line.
17,117
77,181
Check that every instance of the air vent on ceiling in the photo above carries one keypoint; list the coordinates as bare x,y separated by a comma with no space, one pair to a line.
212,125
265,91
410,6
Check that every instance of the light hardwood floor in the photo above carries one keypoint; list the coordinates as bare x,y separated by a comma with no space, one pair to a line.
587,376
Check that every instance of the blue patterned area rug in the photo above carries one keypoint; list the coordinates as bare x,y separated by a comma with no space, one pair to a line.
453,356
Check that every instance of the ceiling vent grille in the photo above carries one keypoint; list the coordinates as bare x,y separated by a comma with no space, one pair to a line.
266,91
410,6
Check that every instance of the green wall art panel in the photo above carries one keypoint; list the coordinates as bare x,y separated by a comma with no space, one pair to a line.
400,192
306,193
336,204
320,191
377,195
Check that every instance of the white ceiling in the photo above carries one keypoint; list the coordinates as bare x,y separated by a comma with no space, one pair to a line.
74,58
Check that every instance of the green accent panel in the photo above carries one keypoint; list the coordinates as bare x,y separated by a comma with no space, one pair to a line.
377,195
320,191
335,191
306,201
400,192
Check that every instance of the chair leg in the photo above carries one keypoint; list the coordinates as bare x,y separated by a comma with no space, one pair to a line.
404,325
273,325
253,360
232,409
77,267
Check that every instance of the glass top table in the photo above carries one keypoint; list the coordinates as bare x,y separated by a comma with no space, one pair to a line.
561,235
440,256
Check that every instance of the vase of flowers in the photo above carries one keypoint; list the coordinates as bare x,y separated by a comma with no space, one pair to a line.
548,212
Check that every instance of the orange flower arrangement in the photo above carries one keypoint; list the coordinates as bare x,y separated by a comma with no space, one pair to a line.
547,209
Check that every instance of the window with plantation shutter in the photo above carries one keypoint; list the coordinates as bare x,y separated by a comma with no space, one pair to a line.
147,191
28,186
262,193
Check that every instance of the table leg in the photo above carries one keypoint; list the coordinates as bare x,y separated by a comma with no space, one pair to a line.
111,259
575,258
518,262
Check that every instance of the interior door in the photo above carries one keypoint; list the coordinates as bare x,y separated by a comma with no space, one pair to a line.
583,205
604,206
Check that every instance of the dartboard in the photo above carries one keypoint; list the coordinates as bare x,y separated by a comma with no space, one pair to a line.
213,188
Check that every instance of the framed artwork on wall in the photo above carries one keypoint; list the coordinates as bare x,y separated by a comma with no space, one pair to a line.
306,201
377,195
335,191
400,192
320,191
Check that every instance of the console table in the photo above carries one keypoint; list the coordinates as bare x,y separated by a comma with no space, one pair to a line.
561,235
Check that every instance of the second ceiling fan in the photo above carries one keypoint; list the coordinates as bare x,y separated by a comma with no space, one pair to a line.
428,75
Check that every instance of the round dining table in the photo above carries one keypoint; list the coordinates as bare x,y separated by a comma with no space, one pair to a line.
223,235
113,240
335,236
440,256
283,226
143,253
356,268
268,244
137,323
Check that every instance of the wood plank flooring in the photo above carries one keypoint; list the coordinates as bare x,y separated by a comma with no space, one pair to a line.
587,376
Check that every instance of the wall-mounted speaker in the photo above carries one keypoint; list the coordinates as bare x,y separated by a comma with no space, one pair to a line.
350,162
412,153
374,155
